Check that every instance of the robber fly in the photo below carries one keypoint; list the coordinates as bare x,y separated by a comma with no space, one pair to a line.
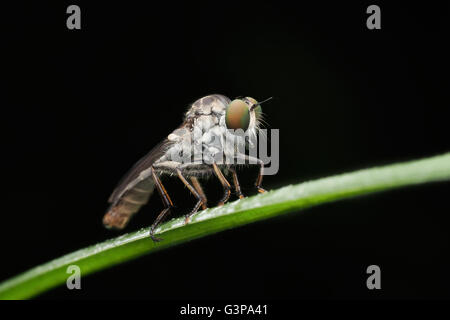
208,121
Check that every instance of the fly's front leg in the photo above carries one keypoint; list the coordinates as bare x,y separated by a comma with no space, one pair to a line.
201,199
259,179
237,187
225,184
166,201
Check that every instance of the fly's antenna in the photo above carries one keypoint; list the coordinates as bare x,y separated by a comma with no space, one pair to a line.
259,103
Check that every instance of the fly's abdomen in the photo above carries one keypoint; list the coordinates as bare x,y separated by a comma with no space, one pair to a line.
121,211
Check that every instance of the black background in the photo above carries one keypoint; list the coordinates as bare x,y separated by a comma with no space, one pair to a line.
79,107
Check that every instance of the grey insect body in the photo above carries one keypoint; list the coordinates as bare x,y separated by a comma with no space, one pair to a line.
196,150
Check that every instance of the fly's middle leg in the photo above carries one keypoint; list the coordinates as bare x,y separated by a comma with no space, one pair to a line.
237,187
200,191
201,198
225,184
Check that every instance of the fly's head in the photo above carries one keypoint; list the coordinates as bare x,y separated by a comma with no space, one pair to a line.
244,115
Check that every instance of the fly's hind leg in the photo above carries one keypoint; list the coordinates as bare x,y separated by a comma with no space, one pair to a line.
166,201
201,198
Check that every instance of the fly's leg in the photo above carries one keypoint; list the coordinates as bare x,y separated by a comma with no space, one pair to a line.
166,201
200,191
225,184
237,187
201,199
259,179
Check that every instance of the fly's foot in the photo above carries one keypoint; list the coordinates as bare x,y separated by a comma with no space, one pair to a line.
200,203
154,238
239,194
225,198
261,190
204,204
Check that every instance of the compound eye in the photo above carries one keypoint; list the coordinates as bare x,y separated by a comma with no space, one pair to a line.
237,115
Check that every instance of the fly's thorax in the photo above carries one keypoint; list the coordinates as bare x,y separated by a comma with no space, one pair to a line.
200,136
216,142
207,141
204,136
212,104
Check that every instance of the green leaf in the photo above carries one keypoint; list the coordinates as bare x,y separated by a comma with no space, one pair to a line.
238,213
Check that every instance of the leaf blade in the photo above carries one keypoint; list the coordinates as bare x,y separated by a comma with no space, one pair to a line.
241,212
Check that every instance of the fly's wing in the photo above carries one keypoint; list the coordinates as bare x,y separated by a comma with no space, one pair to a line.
134,190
